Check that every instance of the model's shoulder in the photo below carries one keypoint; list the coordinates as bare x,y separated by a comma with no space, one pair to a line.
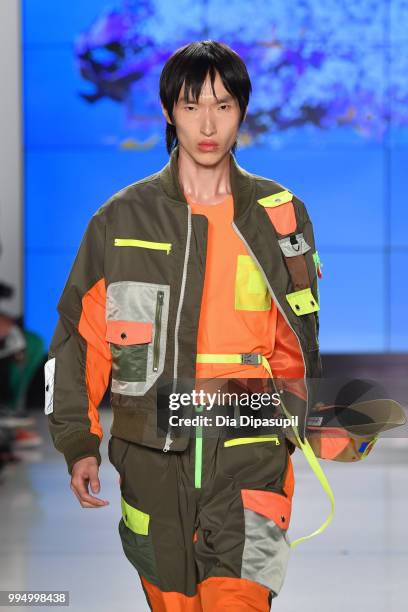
130,194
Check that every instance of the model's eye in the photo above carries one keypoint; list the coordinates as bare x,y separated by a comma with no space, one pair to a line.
225,106
189,107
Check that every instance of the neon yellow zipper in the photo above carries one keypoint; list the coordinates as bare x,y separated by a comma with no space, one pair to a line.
146,244
237,441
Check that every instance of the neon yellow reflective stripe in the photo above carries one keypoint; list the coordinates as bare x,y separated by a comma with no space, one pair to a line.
276,199
302,302
238,441
133,242
135,519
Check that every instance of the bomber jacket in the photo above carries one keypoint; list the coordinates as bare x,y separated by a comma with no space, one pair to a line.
129,311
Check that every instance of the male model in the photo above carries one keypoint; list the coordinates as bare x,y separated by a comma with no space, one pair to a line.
201,270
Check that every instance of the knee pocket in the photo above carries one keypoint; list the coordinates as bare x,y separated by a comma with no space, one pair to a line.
136,538
266,547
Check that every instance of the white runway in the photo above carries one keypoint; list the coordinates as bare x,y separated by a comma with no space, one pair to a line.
48,542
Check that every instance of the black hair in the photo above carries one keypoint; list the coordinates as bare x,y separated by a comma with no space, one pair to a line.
190,65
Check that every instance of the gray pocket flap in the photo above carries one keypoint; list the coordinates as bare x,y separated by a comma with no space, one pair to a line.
294,245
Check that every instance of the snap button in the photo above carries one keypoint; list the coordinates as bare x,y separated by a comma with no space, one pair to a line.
283,519
123,335
278,200
312,302
47,388
297,306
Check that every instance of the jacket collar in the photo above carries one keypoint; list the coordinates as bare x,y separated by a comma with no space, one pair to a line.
242,183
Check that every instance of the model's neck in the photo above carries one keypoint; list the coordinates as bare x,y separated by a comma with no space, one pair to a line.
205,184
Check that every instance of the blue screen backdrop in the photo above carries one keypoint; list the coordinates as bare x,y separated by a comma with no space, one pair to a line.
328,118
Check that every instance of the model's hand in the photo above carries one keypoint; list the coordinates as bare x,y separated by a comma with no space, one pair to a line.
84,473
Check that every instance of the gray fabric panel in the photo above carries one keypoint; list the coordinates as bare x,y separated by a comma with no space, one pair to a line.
290,250
136,301
266,551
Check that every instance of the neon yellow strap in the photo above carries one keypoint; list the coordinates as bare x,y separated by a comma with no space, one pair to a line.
321,476
159,246
219,358
305,446
314,464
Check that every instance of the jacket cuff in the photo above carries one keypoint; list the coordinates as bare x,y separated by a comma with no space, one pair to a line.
79,445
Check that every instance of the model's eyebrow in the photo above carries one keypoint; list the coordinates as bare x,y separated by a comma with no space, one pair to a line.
227,98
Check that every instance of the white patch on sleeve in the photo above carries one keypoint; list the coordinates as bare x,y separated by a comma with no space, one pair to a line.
49,373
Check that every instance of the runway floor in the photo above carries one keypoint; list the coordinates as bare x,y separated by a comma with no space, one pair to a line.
48,542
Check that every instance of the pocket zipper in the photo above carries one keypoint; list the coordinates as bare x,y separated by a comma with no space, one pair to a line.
157,333
147,244
237,441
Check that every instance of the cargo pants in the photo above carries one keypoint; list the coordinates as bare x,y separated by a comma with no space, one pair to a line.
206,528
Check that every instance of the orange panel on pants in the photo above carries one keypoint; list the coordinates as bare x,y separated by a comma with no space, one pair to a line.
214,595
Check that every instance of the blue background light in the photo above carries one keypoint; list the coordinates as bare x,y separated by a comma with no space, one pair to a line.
328,119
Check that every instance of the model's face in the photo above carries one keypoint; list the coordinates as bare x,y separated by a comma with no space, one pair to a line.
208,121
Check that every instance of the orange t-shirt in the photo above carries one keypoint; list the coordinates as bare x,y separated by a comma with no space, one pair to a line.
237,314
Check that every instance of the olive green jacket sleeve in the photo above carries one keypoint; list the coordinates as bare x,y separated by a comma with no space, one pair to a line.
79,360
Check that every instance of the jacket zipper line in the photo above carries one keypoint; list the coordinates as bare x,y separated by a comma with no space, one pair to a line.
169,439
277,304
157,332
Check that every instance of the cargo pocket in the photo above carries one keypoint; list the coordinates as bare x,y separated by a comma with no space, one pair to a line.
267,546
251,460
251,291
136,329
134,531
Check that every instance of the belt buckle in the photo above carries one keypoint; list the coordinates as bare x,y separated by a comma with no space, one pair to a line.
250,358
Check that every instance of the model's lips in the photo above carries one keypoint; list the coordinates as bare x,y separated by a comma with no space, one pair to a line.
208,146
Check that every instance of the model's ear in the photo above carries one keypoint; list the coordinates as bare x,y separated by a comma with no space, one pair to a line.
166,114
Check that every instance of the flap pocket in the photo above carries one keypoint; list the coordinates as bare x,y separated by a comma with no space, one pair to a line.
129,332
294,245
137,319
268,504
302,302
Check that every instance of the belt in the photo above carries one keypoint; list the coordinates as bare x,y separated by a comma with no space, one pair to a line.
259,359
242,358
